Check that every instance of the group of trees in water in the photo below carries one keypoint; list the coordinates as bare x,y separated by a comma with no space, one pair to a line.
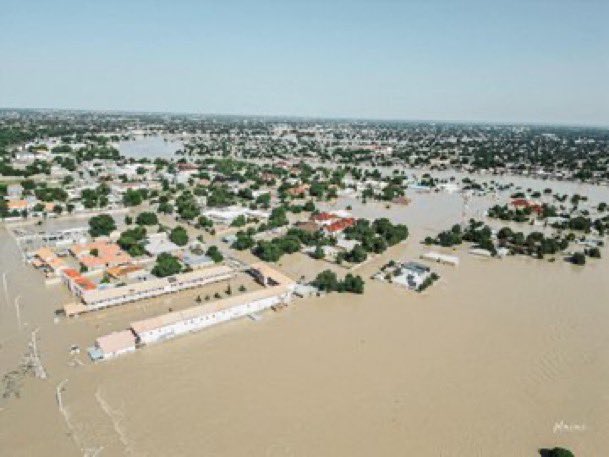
327,281
372,237
535,244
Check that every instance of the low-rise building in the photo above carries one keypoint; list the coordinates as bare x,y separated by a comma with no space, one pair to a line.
113,296
441,258
522,203
196,261
278,290
230,213
412,275
76,282
14,190
100,254
159,243
112,345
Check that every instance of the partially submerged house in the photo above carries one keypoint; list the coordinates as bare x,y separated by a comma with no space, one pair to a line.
112,345
412,275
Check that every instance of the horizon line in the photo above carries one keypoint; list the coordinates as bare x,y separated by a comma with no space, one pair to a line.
318,118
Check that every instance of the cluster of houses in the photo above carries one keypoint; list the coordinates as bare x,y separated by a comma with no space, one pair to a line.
100,274
333,223
330,223
524,203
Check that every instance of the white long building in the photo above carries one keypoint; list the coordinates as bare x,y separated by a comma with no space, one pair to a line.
278,290
230,213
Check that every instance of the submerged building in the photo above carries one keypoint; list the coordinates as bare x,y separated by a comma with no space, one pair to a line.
113,296
278,290
113,345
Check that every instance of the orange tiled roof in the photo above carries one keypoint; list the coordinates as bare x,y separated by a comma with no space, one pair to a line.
340,225
17,204
323,217
122,270
71,273
85,283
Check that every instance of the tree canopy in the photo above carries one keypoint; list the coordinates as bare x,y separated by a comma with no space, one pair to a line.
166,265
179,236
101,225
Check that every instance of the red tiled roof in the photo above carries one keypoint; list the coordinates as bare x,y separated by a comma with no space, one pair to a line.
340,225
523,203
85,283
324,217
71,273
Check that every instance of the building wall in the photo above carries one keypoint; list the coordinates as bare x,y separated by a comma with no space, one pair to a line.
110,355
207,320
134,296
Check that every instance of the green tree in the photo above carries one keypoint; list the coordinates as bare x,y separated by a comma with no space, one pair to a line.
130,240
179,236
214,253
357,254
578,258
268,251
239,221
278,218
132,197
264,200
165,208
309,206
205,222
318,253
556,452
354,284
166,265
101,225
147,218
243,241
326,281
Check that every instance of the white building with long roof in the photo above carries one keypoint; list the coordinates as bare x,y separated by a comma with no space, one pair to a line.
278,290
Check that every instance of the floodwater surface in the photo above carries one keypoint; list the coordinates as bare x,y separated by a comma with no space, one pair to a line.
499,358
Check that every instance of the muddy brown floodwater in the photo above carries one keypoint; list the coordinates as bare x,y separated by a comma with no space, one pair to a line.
499,358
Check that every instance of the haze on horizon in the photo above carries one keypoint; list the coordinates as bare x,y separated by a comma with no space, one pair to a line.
519,61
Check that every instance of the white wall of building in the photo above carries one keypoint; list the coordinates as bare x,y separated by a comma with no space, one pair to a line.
207,320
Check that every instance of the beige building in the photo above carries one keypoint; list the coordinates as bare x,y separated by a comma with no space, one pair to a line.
103,298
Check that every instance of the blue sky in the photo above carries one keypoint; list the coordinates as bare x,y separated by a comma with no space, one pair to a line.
506,61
